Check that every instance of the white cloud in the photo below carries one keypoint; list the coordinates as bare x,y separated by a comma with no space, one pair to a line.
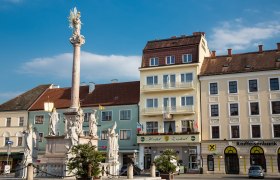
94,67
237,36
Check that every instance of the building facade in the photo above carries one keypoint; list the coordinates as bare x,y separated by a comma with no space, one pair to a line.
169,99
240,102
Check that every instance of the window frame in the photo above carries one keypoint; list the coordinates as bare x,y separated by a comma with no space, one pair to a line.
271,107
21,124
186,55
249,89
229,108
154,100
210,110
239,131
184,79
110,113
125,139
43,120
251,131
269,80
40,139
130,114
8,121
273,130
154,128
154,61
229,89
185,127
19,145
185,99
87,116
153,79
217,89
211,131
104,134
169,60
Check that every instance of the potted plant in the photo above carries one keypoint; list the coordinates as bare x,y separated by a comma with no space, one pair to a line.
166,164
85,162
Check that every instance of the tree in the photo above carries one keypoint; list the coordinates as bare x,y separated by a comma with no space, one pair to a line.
166,162
85,161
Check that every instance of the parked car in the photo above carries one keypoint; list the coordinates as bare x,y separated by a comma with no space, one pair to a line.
256,171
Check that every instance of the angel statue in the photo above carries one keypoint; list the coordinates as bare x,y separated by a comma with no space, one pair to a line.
93,124
53,122
113,146
75,21
28,139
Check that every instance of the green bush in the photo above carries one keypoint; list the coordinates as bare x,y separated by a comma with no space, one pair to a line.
163,162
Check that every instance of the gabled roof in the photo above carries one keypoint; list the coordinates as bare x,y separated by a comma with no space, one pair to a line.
241,63
122,93
61,97
174,42
25,100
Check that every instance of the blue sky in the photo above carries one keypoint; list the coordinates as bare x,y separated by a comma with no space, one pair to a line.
35,46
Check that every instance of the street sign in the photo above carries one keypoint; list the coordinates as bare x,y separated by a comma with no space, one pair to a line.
7,169
9,142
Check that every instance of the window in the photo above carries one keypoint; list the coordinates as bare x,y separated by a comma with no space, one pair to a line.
169,126
274,84
233,109
86,117
169,80
152,103
256,131
8,122
213,88
254,108
232,86
21,121
154,61
19,141
125,134
187,101
187,125
186,77
215,132
125,114
214,110
276,130
151,127
106,115
169,103
187,58
235,131
170,59
152,80
275,107
253,85
41,135
39,119
104,134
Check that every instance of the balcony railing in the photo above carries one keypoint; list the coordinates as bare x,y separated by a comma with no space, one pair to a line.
172,110
168,86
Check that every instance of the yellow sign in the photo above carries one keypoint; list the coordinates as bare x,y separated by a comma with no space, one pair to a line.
212,147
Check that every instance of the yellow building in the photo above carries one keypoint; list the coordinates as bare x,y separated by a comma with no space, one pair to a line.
240,102
169,99
13,121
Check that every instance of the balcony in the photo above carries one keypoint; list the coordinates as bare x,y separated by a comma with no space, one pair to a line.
168,87
176,137
170,110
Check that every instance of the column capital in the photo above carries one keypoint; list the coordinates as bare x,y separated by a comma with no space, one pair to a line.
77,40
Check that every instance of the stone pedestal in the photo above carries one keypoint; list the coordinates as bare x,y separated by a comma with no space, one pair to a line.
114,167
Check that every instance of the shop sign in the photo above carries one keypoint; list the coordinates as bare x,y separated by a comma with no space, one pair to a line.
168,139
7,169
212,147
256,143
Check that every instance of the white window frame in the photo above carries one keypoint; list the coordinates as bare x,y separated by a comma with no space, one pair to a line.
269,87
249,107
231,132
209,89
272,127
188,60
105,134
258,85
21,141
39,115
153,103
106,112
153,126
125,110
87,116
184,74
154,60
229,114
153,80
210,112
10,118
19,121
236,86
40,136
270,104
186,101
125,130
251,131
169,59
211,134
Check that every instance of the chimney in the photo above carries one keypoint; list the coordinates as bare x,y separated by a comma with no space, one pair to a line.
213,55
229,52
91,87
278,46
260,48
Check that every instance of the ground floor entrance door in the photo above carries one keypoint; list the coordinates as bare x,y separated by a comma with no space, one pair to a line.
231,160
257,157
147,161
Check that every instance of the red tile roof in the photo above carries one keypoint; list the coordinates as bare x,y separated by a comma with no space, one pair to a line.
25,100
103,94
241,63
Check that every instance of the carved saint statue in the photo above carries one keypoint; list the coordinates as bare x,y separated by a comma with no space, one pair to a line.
75,21
53,122
113,146
73,134
28,139
93,124
79,121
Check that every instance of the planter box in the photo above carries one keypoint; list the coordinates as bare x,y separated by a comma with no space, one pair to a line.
167,176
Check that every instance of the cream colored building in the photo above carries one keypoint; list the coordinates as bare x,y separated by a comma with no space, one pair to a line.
240,102
13,121
169,99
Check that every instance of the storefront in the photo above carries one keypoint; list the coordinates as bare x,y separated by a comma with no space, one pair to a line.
187,148
13,160
235,157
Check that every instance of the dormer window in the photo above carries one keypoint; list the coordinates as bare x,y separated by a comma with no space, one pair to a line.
187,58
154,61
170,60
